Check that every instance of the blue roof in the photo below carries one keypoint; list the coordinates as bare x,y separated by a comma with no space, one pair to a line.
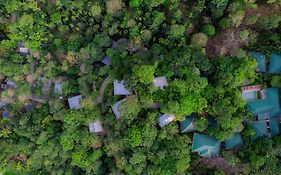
206,146
274,127
260,129
275,63
234,141
270,105
261,60
5,114
188,125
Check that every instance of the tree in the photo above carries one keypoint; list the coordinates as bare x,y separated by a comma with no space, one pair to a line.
199,39
209,30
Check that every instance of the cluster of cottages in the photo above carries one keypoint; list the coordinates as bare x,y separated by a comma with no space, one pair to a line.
263,103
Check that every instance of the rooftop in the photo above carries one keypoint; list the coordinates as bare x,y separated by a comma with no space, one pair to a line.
95,127
74,102
160,82
275,63
120,88
116,110
234,141
166,119
206,146
261,60
188,125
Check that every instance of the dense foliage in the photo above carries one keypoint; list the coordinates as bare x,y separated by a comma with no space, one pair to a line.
201,47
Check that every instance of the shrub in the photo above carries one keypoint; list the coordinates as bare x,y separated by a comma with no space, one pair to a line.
209,29
199,39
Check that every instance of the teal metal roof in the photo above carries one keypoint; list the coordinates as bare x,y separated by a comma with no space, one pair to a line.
271,104
234,141
206,146
188,125
261,60
260,129
275,63
274,127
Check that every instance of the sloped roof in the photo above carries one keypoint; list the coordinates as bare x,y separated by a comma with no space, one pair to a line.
188,125
106,60
120,89
95,127
58,87
206,146
74,102
115,108
260,129
234,141
274,127
261,60
271,104
160,82
275,63
166,119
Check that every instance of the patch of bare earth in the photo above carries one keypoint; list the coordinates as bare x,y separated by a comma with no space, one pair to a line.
222,164
228,41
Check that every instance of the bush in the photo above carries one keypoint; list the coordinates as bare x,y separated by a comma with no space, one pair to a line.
199,39
209,29
225,23
276,81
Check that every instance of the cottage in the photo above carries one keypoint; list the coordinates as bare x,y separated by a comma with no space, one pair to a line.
166,119
106,60
11,84
160,82
23,49
261,60
234,142
58,87
95,127
205,146
267,111
252,93
74,102
275,63
116,110
120,88
189,124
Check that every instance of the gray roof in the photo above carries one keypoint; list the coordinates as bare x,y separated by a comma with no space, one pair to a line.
11,84
115,108
106,60
120,89
58,87
160,82
166,119
95,127
74,102
23,50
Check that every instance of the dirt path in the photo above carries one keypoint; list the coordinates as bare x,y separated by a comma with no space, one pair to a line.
102,89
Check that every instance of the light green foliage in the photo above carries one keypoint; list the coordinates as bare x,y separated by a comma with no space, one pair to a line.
144,73
177,31
96,10
199,39
244,34
236,18
134,137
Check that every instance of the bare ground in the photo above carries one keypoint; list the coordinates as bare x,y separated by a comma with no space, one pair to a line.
228,41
